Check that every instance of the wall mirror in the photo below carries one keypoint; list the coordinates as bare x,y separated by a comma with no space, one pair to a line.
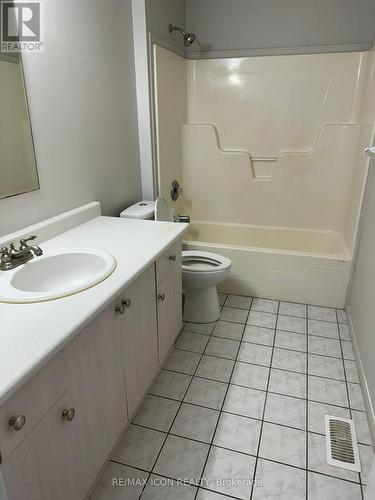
18,170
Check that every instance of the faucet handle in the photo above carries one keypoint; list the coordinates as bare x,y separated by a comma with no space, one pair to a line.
24,241
5,255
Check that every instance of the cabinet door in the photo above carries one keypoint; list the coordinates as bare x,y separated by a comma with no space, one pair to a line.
169,311
33,401
40,467
96,387
138,327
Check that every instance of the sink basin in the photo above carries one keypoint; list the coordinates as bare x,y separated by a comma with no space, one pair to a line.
56,274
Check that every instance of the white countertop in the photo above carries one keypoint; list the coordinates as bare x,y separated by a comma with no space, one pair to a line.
31,334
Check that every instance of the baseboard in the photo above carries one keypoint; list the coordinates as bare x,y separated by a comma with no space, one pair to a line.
362,378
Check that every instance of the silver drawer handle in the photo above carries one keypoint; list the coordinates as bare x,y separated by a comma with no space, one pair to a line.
120,309
161,297
17,422
125,304
172,258
69,414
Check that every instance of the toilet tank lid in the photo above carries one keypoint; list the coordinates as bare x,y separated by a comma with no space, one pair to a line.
140,210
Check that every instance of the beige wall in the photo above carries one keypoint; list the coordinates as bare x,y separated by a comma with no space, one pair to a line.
81,92
17,161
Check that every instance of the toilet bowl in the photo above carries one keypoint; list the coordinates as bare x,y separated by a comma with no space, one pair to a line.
201,272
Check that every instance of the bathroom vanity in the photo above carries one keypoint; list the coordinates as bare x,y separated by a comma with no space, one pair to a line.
76,369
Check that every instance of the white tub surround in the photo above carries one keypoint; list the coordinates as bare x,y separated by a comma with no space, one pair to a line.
31,334
279,263
276,172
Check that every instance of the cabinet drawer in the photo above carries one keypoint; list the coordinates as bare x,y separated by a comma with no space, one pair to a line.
32,401
171,259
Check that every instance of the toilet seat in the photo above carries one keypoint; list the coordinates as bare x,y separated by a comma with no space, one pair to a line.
195,261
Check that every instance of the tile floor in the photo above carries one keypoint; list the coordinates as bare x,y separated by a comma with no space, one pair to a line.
238,411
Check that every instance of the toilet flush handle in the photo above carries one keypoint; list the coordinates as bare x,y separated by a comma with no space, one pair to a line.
176,190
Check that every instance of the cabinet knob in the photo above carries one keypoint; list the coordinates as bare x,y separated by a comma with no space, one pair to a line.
126,303
172,258
69,414
17,422
120,309
161,297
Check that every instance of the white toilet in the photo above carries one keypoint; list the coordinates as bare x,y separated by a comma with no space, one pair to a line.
201,271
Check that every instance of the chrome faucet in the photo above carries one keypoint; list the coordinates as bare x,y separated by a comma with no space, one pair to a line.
11,258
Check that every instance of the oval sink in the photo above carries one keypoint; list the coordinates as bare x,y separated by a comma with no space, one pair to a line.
56,274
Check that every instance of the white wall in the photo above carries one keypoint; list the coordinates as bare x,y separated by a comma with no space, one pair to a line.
362,299
83,110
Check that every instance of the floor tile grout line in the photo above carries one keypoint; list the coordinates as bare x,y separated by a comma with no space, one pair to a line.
306,316
269,328
338,338
226,412
264,407
222,405
243,416
170,427
262,366
253,418
262,390
263,345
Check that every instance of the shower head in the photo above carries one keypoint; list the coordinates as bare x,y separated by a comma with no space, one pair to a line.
189,38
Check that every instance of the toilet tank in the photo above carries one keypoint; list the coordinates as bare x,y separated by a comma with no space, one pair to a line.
142,210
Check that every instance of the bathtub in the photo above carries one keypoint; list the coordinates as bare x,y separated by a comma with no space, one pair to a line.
294,265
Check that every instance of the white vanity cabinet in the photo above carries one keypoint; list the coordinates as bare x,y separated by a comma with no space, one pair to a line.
79,404
63,454
169,298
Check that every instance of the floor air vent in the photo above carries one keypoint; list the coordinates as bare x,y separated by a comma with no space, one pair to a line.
342,449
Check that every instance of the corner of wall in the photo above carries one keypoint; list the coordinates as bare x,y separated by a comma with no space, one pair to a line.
362,378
